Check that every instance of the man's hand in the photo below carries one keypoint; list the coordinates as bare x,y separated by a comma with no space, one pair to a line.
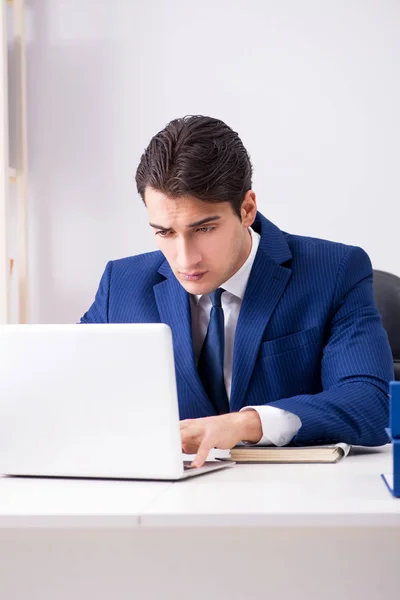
225,431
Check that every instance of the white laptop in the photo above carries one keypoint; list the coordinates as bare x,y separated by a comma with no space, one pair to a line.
90,401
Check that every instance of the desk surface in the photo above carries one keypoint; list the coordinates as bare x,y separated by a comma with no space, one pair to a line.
349,493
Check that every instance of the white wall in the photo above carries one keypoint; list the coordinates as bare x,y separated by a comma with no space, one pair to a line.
311,86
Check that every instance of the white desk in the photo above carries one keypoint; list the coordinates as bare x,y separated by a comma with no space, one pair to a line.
275,531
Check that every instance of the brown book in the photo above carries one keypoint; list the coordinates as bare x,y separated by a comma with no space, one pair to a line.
290,454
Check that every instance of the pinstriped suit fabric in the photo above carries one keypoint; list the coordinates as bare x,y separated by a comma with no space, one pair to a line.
309,338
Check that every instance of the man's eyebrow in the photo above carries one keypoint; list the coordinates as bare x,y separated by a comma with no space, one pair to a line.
203,221
160,227
196,224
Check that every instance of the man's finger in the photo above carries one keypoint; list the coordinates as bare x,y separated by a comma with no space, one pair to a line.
202,453
185,439
185,423
190,439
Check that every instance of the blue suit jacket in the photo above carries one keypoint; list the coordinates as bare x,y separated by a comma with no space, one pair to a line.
309,338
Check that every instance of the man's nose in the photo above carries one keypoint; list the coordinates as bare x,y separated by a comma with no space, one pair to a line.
188,256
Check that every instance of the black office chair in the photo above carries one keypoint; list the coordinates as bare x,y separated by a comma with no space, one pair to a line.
387,298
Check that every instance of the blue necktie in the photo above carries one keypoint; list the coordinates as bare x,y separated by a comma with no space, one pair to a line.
211,361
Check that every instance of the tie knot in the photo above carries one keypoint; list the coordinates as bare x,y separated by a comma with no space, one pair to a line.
215,297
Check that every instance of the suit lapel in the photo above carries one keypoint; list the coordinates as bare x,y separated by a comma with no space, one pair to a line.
267,282
174,308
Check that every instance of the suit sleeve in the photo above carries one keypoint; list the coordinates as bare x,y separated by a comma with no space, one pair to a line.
98,312
357,366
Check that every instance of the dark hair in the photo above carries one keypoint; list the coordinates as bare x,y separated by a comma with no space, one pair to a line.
197,156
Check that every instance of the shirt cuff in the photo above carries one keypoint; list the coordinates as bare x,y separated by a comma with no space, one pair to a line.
278,426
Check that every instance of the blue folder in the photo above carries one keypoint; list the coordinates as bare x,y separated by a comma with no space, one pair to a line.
394,434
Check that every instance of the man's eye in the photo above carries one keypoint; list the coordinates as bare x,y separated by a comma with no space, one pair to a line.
162,233
205,229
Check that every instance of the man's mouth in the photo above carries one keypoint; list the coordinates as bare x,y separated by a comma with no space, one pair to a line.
192,276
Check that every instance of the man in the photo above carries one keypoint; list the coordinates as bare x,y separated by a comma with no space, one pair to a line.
277,339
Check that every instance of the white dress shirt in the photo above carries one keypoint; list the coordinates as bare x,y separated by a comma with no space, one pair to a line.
278,426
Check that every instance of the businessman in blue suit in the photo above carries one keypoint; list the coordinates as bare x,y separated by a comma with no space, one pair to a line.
276,336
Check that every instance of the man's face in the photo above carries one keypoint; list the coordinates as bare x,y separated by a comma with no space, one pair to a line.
204,243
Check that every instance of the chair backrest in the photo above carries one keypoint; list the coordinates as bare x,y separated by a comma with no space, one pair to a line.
387,298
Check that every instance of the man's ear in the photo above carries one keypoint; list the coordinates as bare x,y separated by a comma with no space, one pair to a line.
248,210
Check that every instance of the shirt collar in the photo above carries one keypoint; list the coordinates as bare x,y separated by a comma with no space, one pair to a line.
237,284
